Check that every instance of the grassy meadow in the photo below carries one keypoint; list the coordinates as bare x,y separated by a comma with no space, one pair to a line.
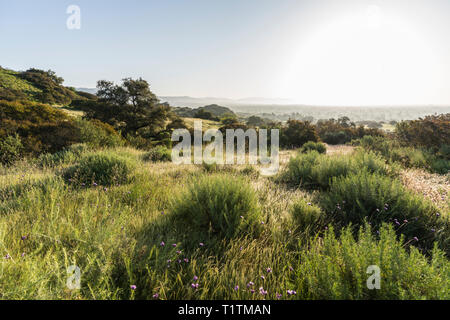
143,229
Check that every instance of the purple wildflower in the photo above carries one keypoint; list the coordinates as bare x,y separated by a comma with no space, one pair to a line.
279,295
291,292
186,260
416,239
262,291
201,244
250,284
269,270
133,287
194,286
162,244
174,245
155,296
195,278
236,288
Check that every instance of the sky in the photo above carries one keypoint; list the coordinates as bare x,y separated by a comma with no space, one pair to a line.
320,52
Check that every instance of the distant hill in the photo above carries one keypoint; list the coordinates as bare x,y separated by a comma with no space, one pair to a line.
185,101
35,85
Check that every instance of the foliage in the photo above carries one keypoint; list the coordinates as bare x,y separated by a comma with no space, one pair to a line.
219,205
11,150
315,171
158,154
103,168
336,268
296,133
342,131
97,134
363,196
40,127
317,146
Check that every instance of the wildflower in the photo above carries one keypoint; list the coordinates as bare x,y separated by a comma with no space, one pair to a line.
201,244
155,296
416,239
195,278
94,184
240,249
24,238
178,252
7,256
262,222
169,261
378,210
263,278
252,290
291,292
250,284
162,244
186,260
309,204
105,189
262,291
179,260
23,254
279,295
194,286
133,287
290,268
242,217
405,221
174,245
162,212
236,288
438,214
269,270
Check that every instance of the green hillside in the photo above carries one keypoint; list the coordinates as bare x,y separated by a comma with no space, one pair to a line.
35,85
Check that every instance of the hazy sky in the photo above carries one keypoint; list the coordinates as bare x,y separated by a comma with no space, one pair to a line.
337,52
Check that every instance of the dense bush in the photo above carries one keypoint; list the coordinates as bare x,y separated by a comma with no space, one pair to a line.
104,168
69,155
306,215
342,131
336,268
366,196
296,133
11,149
437,160
41,128
315,171
429,132
52,91
317,146
158,154
96,134
219,205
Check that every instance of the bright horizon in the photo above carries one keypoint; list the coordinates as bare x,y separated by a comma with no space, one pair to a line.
334,53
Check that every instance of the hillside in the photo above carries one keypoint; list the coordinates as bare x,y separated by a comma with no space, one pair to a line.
35,85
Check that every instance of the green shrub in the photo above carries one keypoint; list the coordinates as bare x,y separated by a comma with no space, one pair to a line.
365,196
317,146
218,205
70,155
97,134
11,150
296,133
336,268
158,154
101,168
315,171
306,215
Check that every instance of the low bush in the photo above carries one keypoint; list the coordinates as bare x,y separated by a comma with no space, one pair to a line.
70,155
158,154
103,168
315,171
310,146
97,134
366,196
11,150
306,215
336,268
218,205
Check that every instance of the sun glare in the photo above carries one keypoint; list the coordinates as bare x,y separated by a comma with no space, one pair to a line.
366,58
